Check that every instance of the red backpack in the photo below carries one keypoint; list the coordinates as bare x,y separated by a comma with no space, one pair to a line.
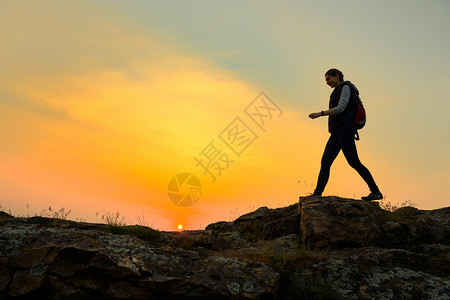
360,114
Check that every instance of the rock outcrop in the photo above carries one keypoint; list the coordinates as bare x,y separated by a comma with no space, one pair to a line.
337,222
320,248
66,260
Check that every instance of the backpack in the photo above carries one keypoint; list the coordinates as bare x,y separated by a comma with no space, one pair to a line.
359,114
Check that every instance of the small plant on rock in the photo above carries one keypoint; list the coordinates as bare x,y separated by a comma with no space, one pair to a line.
386,205
114,219
57,214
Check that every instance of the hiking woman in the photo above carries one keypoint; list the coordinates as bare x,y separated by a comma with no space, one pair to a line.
342,130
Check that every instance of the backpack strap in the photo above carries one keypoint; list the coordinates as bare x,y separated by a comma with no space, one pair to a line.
355,106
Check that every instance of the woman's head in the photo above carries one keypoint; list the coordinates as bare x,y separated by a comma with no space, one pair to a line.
333,77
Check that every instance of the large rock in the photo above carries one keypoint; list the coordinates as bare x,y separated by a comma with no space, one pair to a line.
337,222
263,223
65,262
334,222
5,216
320,248
376,273
407,227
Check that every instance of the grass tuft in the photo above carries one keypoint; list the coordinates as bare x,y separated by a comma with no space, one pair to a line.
56,214
114,219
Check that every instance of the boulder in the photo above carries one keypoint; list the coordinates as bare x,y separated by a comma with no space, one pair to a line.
334,222
377,273
5,216
318,248
263,223
407,227
60,262
338,222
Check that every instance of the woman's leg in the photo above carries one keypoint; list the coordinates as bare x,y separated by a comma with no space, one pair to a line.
346,137
329,155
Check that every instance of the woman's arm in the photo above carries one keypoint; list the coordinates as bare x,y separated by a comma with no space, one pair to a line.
343,101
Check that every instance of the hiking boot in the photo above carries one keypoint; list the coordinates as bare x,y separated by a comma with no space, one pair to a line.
373,196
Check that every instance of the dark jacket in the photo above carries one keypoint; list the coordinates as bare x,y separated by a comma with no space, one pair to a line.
346,116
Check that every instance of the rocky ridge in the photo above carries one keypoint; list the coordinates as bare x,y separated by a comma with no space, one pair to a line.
318,248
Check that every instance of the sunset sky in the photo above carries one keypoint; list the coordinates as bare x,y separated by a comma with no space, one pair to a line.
103,102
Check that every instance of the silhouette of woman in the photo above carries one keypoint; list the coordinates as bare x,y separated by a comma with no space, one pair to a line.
342,130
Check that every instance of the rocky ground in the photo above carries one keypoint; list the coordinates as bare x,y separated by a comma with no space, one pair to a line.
319,248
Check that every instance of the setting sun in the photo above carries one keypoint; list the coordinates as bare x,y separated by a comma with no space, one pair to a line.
180,226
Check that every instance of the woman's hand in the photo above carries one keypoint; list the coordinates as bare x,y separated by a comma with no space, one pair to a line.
315,115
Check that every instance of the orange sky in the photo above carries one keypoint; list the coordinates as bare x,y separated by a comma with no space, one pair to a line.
98,116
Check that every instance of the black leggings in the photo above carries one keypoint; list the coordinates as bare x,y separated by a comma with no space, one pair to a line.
342,138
